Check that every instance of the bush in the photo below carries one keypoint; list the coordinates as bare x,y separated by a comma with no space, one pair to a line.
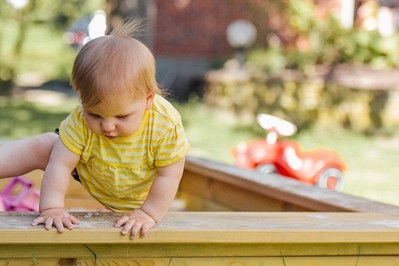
326,42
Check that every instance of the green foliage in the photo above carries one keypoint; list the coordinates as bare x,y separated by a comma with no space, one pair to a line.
373,49
60,14
32,34
327,38
301,15
327,43
48,55
271,60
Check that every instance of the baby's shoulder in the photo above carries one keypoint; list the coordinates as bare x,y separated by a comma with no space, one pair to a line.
164,110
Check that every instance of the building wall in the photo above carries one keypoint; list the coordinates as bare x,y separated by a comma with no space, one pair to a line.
196,28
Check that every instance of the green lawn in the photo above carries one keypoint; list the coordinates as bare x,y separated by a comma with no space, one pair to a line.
371,162
19,118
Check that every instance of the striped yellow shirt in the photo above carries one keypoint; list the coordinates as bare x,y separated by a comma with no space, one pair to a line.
119,172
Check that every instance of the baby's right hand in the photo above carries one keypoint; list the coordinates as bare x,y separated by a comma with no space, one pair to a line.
57,217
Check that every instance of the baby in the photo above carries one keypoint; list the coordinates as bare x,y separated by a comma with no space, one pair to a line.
125,143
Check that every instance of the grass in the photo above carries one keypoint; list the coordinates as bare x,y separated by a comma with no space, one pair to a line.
21,118
371,162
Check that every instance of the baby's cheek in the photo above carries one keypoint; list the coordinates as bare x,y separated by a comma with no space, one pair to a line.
93,126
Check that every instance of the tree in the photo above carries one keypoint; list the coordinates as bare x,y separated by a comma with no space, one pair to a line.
21,14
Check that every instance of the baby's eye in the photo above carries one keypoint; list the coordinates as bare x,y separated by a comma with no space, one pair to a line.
122,117
95,116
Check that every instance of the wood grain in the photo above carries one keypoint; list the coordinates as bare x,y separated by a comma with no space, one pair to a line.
208,238
214,227
244,190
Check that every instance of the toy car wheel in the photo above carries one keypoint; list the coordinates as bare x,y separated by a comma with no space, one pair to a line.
332,179
266,169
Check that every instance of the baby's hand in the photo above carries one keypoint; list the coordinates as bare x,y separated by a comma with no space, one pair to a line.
136,221
57,217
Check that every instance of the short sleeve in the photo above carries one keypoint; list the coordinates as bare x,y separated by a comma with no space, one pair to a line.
173,146
73,132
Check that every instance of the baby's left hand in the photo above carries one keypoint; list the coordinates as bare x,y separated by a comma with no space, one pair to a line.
136,221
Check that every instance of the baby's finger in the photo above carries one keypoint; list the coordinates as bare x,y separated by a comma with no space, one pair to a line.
67,223
73,219
135,230
48,223
38,220
128,226
144,229
120,221
58,223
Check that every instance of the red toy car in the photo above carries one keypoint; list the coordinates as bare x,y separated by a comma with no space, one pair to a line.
321,167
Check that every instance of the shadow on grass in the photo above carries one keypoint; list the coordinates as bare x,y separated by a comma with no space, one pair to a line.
20,119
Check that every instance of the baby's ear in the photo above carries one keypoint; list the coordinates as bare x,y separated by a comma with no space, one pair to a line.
149,100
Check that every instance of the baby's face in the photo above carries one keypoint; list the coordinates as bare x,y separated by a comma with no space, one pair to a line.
116,119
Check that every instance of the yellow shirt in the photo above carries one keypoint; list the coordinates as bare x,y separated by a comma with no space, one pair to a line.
119,172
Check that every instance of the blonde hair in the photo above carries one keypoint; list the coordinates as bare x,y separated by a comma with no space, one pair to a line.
115,65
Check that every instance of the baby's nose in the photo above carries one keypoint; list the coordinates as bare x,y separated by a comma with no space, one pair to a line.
107,126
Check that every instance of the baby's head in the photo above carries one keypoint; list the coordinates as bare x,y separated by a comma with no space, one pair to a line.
115,68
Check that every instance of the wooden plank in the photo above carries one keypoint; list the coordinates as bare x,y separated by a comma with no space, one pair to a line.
207,179
88,262
219,195
194,203
283,261
204,238
147,250
270,261
244,250
216,227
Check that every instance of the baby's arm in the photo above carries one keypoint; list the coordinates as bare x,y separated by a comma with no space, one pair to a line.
53,188
154,208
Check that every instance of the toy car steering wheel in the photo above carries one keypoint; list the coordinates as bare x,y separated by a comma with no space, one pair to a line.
281,126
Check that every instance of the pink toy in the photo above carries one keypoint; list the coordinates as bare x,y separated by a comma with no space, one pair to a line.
19,195
2,207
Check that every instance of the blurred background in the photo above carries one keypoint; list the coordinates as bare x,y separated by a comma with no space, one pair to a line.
328,66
